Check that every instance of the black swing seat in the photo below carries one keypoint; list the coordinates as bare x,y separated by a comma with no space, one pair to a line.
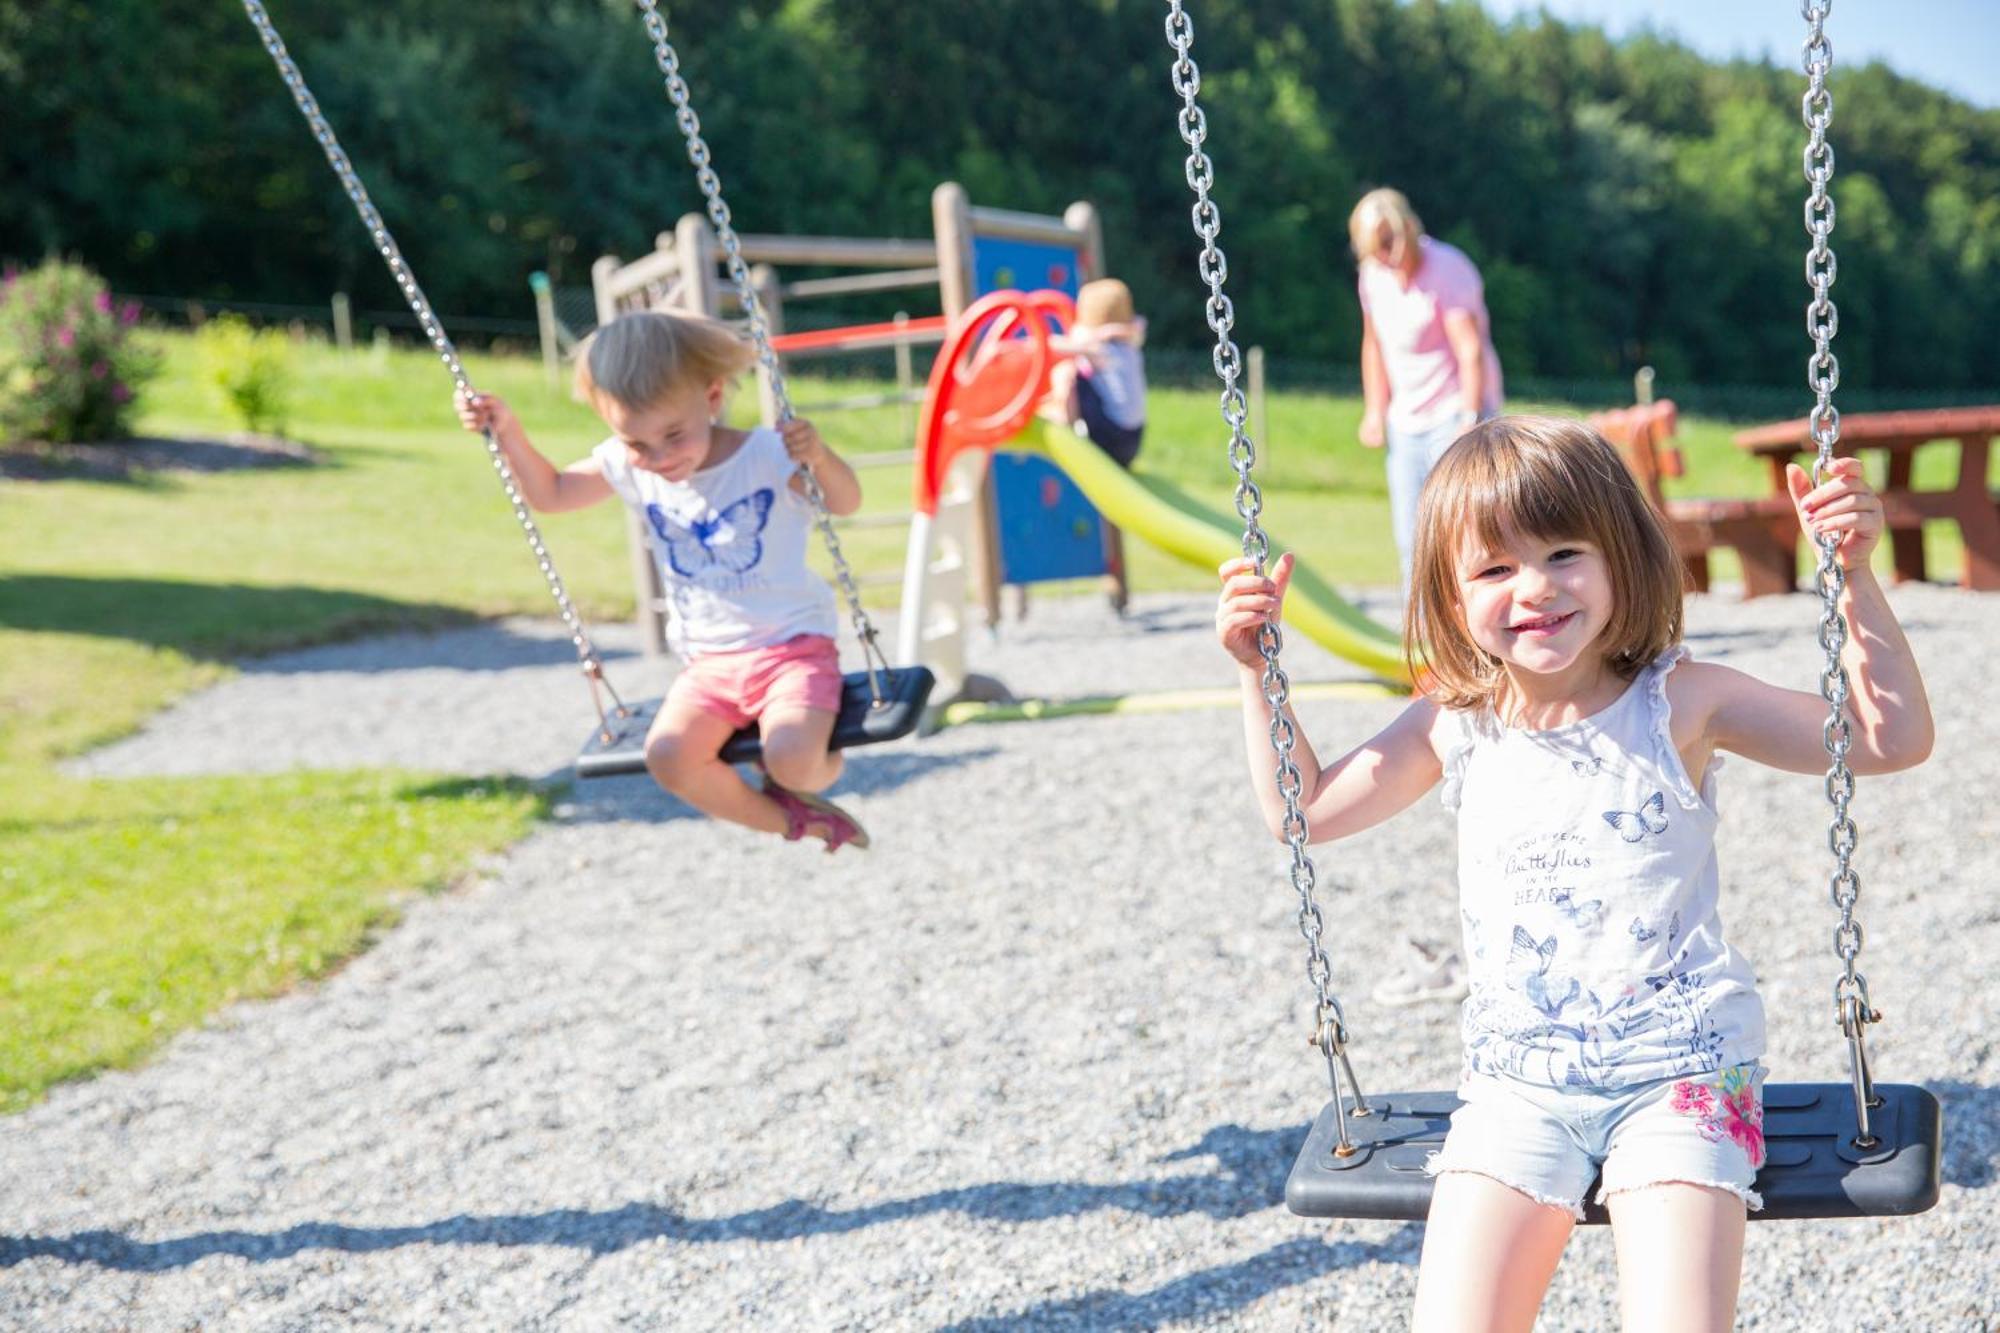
905,690
1811,1168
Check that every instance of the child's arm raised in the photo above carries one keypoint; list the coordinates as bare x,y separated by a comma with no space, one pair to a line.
837,481
1888,714
1368,784
541,484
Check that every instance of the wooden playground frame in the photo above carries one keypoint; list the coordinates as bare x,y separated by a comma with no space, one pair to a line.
684,272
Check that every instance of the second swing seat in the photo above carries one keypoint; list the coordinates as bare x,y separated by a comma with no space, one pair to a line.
1811,1168
862,721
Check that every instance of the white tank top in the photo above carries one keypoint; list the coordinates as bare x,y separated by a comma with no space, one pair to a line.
1588,895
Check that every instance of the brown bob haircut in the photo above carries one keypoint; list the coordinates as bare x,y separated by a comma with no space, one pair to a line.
1537,477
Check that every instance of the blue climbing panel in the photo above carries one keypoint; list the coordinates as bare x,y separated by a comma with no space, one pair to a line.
1047,529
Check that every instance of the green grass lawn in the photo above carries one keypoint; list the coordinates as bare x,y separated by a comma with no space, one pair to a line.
132,909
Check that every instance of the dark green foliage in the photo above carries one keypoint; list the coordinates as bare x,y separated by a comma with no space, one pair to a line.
1628,202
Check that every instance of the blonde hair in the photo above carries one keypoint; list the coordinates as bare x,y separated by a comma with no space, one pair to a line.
1104,301
1377,209
645,356
1537,477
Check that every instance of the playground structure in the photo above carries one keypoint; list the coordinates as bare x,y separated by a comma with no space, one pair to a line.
1019,523
1001,497
985,385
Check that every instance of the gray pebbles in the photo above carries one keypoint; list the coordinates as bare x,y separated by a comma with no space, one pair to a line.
1037,1060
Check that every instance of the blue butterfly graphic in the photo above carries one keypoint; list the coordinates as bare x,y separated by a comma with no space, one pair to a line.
1587,768
1641,932
731,539
1589,914
1648,818
1528,972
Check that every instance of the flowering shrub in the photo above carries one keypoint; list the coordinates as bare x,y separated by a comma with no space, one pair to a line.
252,367
68,368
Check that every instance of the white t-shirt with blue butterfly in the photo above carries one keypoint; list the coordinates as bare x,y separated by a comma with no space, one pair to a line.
1588,894
731,545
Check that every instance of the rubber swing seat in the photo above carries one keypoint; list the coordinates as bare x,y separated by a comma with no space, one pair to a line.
861,722
1812,1167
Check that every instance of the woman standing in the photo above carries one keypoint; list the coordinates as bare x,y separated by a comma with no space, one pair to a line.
1428,374
1428,368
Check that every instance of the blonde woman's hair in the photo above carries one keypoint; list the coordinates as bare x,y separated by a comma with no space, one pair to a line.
1104,301
1379,210
645,356
1546,478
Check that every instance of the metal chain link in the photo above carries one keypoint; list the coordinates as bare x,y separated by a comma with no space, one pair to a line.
385,244
1850,990
760,333
1330,1022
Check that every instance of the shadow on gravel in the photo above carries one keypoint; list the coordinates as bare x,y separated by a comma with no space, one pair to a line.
1971,1133
207,620
1210,1292
1249,1177
634,799
470,646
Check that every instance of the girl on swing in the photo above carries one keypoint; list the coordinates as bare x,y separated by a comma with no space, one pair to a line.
726,515
1609,1026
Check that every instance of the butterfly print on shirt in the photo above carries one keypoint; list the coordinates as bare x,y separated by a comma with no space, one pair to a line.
730,540
1650,817
1528,962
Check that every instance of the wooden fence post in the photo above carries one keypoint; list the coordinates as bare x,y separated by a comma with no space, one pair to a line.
343,322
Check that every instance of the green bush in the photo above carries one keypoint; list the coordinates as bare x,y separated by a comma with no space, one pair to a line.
251,366
68,371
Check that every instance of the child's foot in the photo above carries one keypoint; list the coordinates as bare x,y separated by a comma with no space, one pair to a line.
807,815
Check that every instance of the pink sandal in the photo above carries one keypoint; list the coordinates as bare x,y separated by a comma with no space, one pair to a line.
808,815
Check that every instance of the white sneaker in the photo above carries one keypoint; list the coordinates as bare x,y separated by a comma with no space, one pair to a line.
1431,972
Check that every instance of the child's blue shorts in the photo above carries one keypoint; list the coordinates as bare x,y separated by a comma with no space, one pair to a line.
1550,1143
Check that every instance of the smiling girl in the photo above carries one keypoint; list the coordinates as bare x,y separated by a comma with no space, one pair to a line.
1610,1032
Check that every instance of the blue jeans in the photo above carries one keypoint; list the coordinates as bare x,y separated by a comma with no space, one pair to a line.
1412,455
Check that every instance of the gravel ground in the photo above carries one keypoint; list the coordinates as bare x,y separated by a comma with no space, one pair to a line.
1035,1060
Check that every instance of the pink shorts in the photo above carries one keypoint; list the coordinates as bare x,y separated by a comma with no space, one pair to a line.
739,688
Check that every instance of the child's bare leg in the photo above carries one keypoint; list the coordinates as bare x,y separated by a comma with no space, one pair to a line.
1680,1257
795,753
684,755
1489,1252
1059,403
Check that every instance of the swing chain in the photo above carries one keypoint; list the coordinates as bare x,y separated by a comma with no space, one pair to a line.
1852,1008
720,218
1329,1020
420,306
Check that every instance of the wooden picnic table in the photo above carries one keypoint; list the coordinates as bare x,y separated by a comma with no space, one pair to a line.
1965,502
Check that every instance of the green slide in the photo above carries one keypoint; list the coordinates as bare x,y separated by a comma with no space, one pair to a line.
1165,517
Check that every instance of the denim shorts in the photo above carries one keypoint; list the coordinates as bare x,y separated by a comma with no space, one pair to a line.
1550,1143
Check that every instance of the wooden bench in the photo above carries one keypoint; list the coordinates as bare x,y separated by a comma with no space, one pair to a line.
1763,532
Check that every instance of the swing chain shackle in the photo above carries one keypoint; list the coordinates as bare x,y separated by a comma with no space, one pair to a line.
1329,1026
427,320
721,220
1852,1009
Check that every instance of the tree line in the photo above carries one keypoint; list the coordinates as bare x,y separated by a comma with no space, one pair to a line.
1628,202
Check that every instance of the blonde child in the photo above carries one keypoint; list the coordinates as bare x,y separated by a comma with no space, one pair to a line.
1609,1025
1098,389
1100,386
725,513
